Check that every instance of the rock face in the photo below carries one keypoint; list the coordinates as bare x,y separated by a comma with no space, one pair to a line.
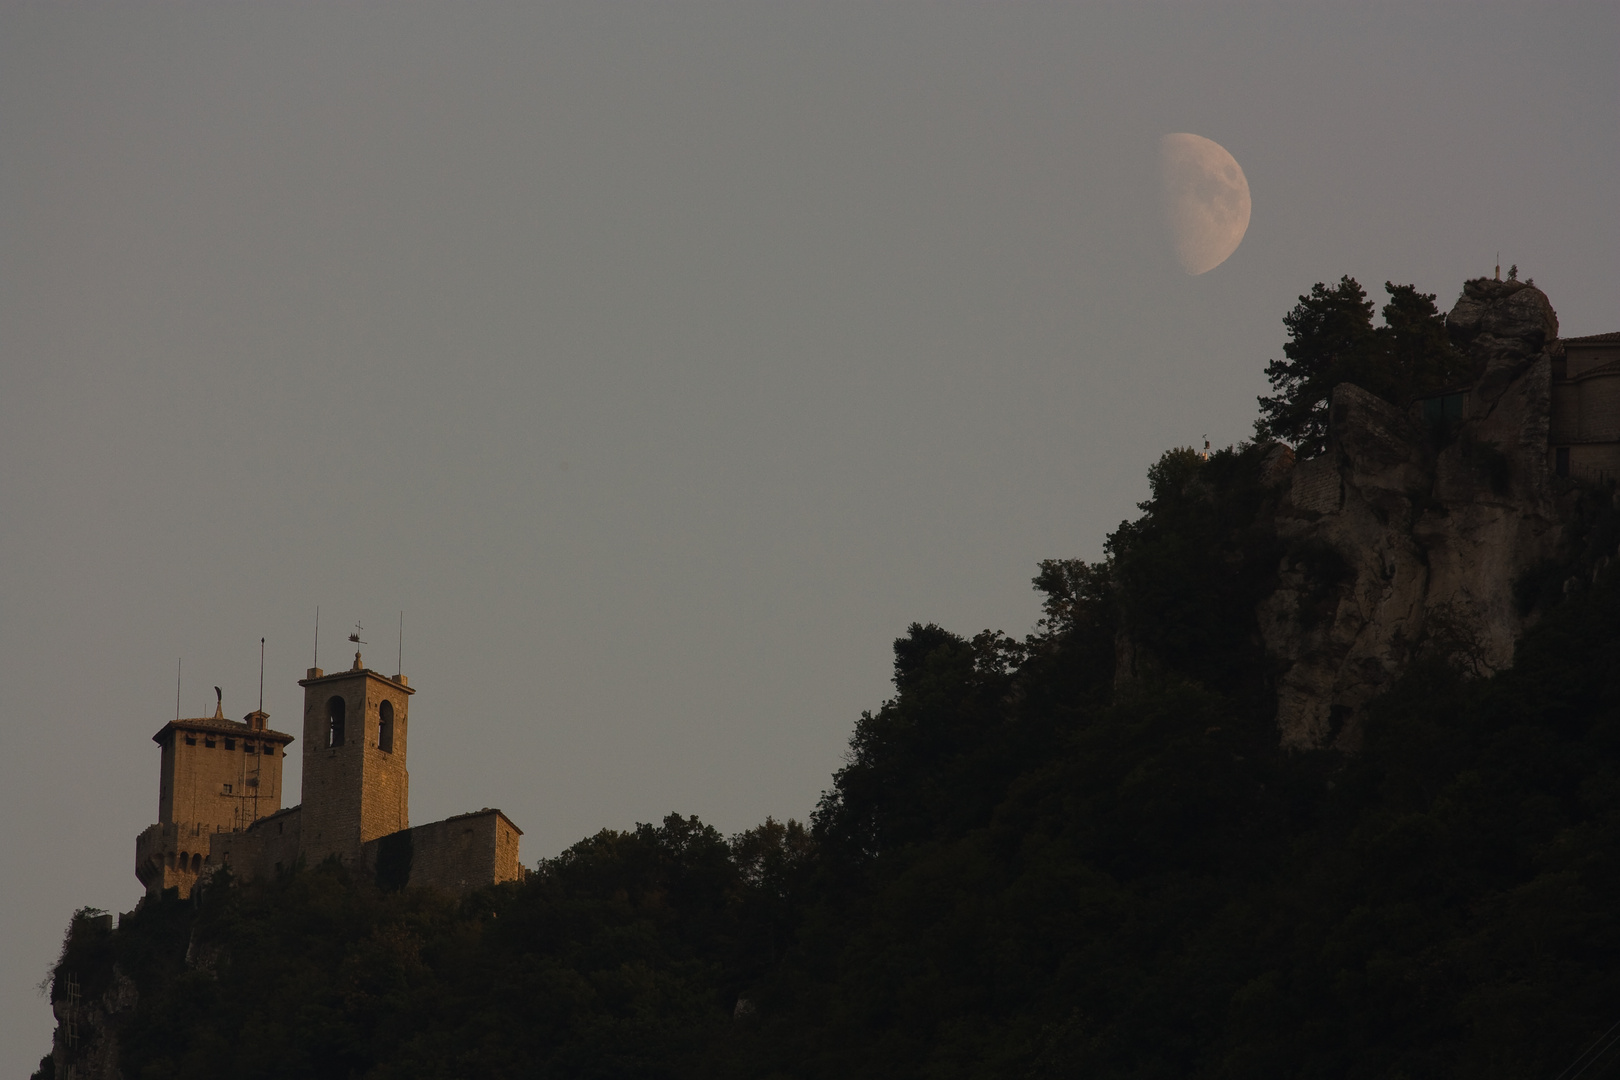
85,1044
1411,533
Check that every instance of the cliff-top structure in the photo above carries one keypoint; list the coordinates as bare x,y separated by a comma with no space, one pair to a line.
1420,525
219,797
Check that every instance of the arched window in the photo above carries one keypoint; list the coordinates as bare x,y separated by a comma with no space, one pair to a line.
185,862
196,863
335,710
385,726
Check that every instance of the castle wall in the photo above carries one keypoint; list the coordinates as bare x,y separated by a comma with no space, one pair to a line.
1582,358
1586,391
171,855
455,855
1595,461
264,850
1584,440
1566,412
1599,394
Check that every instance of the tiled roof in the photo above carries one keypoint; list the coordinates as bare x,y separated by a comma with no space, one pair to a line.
481,813
224,727
1595,339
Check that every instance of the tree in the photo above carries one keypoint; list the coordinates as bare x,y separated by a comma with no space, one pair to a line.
1330,336
1332,340
1415,353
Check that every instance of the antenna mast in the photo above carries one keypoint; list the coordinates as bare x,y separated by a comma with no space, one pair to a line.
261,674
177,688
399,664
317,635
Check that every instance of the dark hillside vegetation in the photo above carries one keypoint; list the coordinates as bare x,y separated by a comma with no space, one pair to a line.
1082,853
1332,340
1020,872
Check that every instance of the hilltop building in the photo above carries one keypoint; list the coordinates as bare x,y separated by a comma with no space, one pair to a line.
219,797
1585,435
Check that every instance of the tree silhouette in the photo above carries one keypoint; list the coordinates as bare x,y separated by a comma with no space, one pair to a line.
1332,340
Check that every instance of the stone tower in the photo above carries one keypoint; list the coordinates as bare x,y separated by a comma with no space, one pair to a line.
356,788
215,776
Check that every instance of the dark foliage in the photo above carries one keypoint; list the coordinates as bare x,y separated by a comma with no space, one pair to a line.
1332,340
933,762
1188,572
1018,873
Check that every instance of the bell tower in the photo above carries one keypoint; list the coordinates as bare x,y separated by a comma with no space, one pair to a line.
356,733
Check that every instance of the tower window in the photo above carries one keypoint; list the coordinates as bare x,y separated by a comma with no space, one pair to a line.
1561,461
385,727
335,712
230,744
208,743
191,740
227,790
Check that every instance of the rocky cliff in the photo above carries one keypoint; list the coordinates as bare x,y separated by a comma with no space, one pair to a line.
91,999
1412,530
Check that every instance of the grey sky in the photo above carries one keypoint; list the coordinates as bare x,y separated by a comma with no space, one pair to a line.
662,361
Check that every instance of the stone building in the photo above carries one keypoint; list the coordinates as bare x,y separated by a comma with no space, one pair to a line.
1585,436
215,775
219,801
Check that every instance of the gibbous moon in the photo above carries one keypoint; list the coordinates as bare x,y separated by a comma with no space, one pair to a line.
1206,200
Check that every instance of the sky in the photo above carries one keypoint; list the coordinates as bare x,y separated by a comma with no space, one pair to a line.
661,362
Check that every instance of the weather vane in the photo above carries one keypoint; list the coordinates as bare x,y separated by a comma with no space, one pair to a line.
355,637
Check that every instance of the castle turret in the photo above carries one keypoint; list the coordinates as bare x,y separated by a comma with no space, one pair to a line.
215,775
356,733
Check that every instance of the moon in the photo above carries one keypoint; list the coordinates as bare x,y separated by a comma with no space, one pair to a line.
1206,200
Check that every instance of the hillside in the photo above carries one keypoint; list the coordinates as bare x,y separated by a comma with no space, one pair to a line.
1087,852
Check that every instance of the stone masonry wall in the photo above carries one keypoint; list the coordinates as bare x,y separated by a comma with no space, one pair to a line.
170,855
209,779
357,791
331,795
270,846
456,855
385,798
